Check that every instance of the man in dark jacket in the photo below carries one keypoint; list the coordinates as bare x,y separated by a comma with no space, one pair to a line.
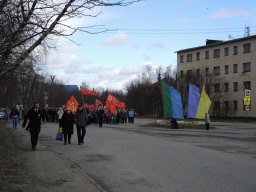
100,114
35,116
80,118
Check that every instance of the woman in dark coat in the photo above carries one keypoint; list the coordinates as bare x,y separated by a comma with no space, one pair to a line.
66,122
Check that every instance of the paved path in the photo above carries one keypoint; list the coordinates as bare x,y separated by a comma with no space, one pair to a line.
130,158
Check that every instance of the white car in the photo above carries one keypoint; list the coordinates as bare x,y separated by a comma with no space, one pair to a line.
2,113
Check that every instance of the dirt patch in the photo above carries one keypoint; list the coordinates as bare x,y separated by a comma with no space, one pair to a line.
13,163
25,170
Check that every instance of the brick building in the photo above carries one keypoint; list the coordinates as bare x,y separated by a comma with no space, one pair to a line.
235,62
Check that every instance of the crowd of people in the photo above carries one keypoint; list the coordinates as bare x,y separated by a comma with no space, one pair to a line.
66,119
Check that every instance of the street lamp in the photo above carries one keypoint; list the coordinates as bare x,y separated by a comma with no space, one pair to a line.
45,98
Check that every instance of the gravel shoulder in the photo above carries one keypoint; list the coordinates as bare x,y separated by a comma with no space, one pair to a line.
22,169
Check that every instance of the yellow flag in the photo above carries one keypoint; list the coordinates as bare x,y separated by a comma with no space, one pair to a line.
203,106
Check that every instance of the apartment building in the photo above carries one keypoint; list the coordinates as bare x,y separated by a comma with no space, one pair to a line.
235,62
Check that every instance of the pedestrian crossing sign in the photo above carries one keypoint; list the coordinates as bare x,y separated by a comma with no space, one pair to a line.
247,101
247,93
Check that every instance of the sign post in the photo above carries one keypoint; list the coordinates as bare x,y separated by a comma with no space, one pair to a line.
247,101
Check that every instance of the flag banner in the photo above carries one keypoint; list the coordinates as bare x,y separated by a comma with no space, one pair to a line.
204,105
160,89
72,104
193,100
111,107
91,107
166,100
177,107
111,99
87,92
98,102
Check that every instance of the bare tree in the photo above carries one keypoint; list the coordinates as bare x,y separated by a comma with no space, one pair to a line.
213,85
26,25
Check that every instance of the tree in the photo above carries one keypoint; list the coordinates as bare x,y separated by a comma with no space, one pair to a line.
199,78
27,25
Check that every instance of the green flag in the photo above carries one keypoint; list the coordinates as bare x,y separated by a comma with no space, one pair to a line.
166,100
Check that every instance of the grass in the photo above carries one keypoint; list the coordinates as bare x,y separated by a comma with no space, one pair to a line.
181,126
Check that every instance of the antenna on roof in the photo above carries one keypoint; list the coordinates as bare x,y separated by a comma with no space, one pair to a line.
247,31
230,37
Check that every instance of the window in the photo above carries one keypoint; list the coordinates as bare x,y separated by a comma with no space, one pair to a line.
216,53
235,107
226,51
247,85
189,73
216,105
198,56
181,73
207,71
247,67
216,70
198,72
235,50
226,106
235,86
189,57
226,87
207,89
247,48
226,69
181,58
216,87
235,70
206,54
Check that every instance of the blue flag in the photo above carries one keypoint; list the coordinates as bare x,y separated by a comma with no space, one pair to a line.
193,100
177,107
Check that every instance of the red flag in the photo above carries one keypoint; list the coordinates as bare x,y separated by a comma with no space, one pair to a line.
72,104
111,99
98,102
160,89
87,92
91,107
112,108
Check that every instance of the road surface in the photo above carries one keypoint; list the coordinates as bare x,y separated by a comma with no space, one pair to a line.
125,158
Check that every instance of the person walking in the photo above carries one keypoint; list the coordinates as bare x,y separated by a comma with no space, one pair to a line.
35,117
131,116
80,118
207,121
100,115
66,122
15,116
7,113
60,113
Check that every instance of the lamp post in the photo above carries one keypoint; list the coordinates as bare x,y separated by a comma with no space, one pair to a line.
45,98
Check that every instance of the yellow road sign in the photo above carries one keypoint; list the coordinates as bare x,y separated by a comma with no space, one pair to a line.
247,101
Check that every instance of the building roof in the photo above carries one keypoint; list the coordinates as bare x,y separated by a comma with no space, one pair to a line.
217,43
70,87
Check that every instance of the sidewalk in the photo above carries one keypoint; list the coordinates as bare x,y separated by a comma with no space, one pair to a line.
24,170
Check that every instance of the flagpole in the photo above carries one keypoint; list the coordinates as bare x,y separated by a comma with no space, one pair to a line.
82,98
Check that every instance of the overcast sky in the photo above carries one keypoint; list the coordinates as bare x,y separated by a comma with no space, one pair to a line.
145,33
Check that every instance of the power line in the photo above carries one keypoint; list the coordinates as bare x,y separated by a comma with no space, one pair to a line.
174,31
188,29
177,33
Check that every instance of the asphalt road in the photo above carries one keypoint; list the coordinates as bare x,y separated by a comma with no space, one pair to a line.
125,158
